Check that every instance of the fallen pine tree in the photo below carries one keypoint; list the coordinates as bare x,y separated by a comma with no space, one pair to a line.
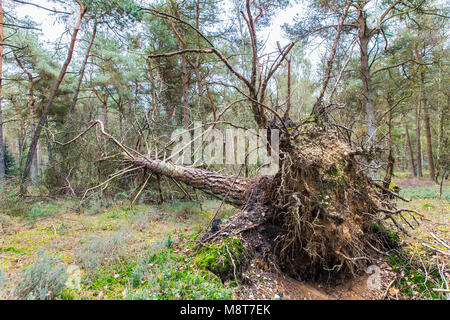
320,215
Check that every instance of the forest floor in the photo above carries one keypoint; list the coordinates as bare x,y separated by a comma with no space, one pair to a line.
114,251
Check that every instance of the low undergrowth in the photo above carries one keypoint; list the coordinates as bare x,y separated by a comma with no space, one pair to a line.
43,280
426,192
417,277
174,271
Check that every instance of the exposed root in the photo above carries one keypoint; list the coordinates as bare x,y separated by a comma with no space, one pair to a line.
320,216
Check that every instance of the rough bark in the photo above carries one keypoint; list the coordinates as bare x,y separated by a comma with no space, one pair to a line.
230,188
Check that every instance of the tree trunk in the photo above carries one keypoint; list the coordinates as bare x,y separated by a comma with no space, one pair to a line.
83,67
410,150
390,164
185,91
418,108
198,75
429,142
43,120
105,107
426,120
219,185
443,114
365,77
31,83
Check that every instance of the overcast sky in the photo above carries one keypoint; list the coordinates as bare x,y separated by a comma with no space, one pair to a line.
52,29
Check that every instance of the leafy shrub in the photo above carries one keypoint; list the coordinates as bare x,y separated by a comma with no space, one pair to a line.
10,163
36,211
42,280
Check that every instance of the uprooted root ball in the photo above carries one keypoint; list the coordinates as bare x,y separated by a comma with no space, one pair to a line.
315,218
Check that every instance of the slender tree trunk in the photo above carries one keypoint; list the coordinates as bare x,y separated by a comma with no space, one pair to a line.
197,66
391,160
83,67
426,121
410,150
443,114
418,108
19,144
367,93
2,157
364,39
184,73
34,171
105,107
288,94
31,83
185,91
428,137
35,140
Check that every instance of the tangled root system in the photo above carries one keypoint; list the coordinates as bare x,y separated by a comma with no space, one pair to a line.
320,216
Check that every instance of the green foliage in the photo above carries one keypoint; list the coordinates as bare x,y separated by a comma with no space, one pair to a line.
392,239
43,280
36,211
12,249
413,283
166,273
172,276
427,192
221,258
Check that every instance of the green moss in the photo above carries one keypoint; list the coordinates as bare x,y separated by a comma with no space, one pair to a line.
333,171
393,237
414,283
66,294
335,179
12,249
219,257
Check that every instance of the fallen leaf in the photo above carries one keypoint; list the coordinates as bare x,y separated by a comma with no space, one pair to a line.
393,291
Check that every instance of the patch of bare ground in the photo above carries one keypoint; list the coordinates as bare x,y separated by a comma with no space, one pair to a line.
270,285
